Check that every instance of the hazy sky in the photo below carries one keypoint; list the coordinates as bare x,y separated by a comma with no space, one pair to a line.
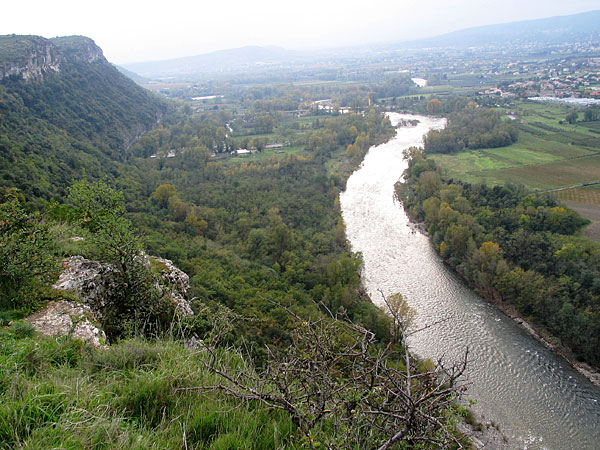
133,30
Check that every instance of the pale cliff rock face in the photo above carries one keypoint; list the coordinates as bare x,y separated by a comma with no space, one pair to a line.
174,283
79,48
40,57
89,279
63,318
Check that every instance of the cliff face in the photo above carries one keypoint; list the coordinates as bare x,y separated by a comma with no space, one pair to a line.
32,57
65,108
28,57
79,48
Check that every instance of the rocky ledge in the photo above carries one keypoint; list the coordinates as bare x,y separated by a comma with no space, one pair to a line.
63,318
92,282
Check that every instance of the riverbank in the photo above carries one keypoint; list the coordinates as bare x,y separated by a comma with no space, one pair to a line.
542,336
537,400
538,333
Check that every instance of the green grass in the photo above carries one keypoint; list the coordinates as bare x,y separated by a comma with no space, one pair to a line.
558,174
547,155
594,127
58,393
529,150
266,155
516,155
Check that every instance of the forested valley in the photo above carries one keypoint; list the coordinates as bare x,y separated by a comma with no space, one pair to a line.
281,349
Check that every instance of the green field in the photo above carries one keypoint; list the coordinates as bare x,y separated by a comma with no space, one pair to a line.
548,155
266,154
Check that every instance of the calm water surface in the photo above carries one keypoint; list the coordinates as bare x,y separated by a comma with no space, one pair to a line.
536,398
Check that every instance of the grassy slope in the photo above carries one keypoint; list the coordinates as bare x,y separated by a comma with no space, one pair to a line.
60,394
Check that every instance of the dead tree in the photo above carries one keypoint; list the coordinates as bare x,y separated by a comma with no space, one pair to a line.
344,390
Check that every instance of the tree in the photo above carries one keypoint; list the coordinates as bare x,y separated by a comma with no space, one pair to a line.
27,254
314,141
163,193
264,124
572,117
434,106
403,316
132,300
591,114
344,390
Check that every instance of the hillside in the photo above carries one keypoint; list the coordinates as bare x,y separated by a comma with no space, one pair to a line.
261,239
65,108
219,61
549,30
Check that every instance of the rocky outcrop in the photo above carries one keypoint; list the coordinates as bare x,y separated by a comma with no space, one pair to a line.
63,318
78,48
173,283
33,57
93,281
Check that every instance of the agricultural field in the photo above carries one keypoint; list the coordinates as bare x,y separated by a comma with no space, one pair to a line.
585,201
548,155
266,154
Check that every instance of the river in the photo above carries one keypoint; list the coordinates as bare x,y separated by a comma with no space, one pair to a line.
535,397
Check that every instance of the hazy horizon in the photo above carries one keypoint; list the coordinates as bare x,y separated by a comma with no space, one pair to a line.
136,31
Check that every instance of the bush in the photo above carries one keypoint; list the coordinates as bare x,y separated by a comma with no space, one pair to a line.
135,306
22,329
27,255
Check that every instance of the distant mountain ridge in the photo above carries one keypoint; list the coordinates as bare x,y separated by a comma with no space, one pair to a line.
548,30
218,61
65,110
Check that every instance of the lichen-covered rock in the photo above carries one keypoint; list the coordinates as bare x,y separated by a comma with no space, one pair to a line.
93,281
63,318
173,283
90,280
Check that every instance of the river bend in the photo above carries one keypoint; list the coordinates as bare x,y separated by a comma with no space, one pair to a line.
538,400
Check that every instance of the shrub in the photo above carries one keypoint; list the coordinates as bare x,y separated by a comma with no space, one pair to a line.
26,252
22,329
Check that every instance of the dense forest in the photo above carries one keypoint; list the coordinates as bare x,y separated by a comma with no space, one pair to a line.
513,246
250,232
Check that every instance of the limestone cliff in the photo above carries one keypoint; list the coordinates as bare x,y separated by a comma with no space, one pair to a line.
28,57
32,58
